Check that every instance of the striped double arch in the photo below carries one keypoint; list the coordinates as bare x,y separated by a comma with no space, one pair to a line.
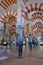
25,11
38,25
32,7
36,16
8,14
6,3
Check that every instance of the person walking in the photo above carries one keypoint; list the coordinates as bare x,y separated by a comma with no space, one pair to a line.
30,43
20,44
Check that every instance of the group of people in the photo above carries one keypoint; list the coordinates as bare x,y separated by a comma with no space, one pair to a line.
33,41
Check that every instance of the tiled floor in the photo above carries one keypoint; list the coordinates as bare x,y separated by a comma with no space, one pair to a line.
34,57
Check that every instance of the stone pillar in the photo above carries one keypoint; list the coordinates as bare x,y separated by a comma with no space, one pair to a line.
20,20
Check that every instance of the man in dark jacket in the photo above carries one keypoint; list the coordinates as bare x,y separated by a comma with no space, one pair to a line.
20,43
30,43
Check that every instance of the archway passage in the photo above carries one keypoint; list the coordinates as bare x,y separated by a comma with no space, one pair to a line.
12,25
12,29
9,19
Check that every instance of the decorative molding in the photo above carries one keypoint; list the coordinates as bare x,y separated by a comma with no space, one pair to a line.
8,14
32,7
6,3
38,25
36,16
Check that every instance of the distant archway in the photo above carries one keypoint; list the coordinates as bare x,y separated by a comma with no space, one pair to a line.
37,28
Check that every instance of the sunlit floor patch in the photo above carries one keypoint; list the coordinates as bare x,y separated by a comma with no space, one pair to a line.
3,58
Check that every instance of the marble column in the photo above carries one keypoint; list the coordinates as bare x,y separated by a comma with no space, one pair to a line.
20,20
